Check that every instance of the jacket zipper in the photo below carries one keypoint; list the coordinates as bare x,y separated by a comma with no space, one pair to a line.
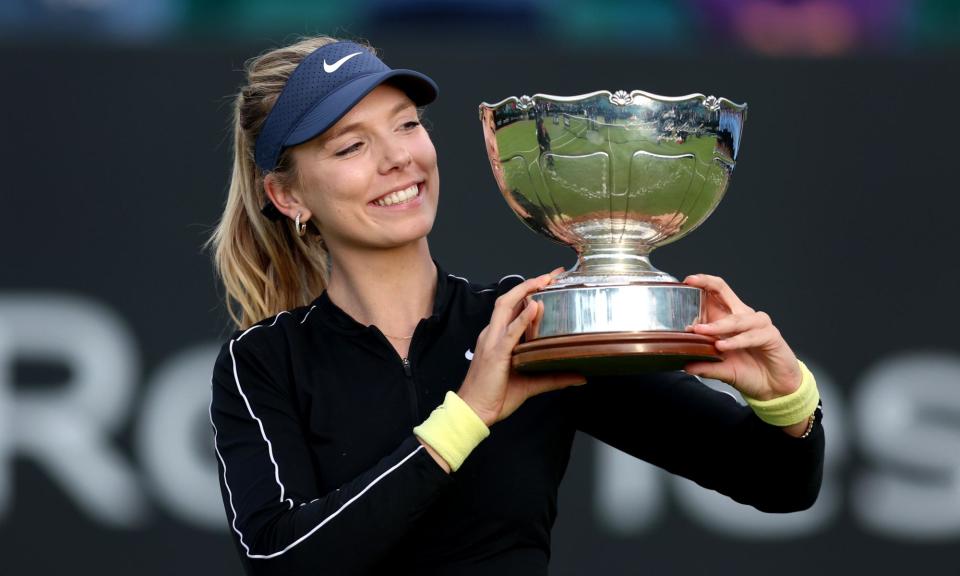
412,391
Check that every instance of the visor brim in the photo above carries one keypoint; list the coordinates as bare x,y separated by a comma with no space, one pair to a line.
419,87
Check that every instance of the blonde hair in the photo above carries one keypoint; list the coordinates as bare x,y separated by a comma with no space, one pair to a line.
265,267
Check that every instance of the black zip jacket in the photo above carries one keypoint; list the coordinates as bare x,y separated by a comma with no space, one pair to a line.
320,472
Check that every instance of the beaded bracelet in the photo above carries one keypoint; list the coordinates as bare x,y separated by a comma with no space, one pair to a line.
810,423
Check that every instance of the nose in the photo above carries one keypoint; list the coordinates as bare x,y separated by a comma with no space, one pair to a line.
395,155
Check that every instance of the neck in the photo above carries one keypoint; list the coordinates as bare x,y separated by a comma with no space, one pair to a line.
391,289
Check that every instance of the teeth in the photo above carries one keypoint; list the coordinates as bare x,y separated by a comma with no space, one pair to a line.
398,197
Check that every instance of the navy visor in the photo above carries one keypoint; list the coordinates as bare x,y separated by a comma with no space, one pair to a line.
324,87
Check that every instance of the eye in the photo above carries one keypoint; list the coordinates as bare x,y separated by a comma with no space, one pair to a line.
348,149
411,124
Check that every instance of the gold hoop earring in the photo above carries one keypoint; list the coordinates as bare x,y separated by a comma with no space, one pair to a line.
301,229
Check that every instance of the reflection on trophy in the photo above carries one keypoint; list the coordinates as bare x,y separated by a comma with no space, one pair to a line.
613,176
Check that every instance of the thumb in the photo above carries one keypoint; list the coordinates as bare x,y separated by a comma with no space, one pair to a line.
556,381
714,370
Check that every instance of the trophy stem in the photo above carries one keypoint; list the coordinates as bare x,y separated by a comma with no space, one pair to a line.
612,263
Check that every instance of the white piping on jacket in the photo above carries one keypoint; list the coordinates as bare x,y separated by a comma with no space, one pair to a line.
276,468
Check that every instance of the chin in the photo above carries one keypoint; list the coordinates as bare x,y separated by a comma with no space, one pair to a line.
420,233
411,233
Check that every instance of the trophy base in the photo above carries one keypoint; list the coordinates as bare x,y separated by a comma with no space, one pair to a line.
614,353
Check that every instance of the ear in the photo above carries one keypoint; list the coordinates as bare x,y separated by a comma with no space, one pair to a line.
286,200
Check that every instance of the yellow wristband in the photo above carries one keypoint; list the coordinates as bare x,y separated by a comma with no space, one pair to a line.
792,408
453,430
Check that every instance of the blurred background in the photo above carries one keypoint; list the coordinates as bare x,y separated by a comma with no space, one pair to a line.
840,222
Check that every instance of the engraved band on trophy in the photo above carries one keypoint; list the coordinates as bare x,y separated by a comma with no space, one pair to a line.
613,176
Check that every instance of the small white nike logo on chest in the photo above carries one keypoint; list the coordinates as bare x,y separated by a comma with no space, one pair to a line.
331,68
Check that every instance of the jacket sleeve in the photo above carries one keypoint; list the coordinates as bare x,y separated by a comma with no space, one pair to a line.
279,521
676,422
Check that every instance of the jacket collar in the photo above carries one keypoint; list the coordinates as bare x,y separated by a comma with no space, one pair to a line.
342,322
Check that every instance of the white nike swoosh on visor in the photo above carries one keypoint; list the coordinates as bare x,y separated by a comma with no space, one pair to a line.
331,68
468,354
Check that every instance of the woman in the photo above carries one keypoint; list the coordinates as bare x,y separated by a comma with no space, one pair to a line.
365,416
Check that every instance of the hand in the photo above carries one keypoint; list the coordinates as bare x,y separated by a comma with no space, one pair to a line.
491,387
755,358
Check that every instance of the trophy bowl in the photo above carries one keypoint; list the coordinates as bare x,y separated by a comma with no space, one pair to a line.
613,176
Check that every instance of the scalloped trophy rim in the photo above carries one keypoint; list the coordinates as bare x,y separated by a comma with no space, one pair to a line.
581,278
524,102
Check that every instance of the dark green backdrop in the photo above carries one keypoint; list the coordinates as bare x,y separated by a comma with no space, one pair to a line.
840,222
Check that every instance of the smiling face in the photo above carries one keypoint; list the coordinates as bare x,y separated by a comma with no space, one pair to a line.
370,181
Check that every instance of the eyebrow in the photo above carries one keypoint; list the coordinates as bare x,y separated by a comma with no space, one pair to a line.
344,129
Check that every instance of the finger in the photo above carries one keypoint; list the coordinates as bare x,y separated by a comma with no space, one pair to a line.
519,324
733,324
762,338
518,308
718,287
510,303
538,317
556,272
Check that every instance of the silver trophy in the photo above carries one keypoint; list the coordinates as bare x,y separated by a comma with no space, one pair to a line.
613,176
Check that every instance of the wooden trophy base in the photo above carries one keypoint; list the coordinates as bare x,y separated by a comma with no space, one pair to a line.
614,353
